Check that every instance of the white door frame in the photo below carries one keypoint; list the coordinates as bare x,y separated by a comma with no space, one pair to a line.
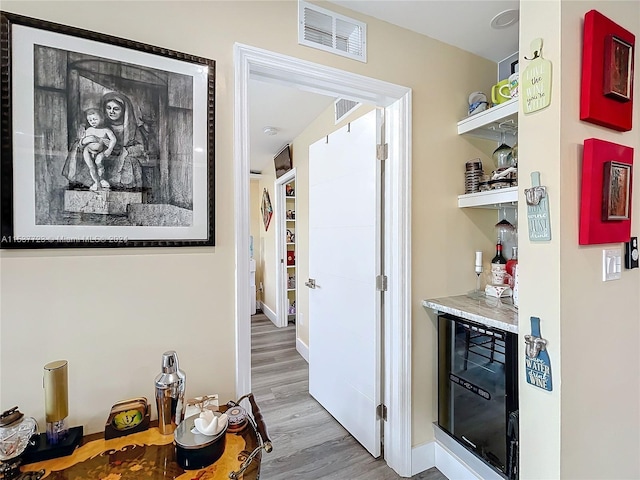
282,310
251,62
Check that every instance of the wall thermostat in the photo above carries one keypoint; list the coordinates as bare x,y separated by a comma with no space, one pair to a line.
631,253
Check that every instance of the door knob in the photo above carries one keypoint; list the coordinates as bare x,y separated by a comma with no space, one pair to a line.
311,283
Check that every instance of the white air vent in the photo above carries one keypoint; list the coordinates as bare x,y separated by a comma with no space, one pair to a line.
326,30
344,107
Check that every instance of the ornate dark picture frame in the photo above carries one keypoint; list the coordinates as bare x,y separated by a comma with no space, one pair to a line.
616,191
105,142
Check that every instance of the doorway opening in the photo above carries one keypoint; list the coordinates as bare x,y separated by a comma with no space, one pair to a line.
254,63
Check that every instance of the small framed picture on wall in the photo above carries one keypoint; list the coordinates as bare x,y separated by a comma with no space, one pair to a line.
618,73
616,196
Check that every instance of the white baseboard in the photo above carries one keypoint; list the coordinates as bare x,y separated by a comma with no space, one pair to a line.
302,349
423,457
271,315
457,463
453,460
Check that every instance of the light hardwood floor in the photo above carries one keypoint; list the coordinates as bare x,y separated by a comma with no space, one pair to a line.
309,444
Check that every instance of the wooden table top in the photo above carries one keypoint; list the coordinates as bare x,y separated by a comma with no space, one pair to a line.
147,455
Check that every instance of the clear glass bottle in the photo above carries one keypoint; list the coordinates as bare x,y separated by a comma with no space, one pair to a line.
513,261
511,267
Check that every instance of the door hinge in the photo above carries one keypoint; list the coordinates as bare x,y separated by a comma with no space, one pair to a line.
381,412
382,152
381,283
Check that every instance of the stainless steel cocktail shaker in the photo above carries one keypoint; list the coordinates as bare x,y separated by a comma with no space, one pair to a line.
170,386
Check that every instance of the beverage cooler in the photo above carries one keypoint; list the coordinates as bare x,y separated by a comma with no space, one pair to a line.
478,390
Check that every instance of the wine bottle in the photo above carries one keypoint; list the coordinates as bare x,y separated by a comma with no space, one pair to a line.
498,266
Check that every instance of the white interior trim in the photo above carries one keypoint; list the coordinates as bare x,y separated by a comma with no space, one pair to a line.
271,315
252,62
451,459
423,457
457,463
302,349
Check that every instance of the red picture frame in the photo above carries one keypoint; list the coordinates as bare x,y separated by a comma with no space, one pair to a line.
606,94
606,192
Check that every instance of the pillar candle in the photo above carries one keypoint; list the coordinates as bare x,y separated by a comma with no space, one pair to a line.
56,391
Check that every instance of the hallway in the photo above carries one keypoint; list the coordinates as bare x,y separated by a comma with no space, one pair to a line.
308,443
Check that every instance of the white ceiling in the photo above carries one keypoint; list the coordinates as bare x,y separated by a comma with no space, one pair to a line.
286,109
462,23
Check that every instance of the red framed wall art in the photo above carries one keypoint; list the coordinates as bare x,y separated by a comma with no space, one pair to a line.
606,96
605,197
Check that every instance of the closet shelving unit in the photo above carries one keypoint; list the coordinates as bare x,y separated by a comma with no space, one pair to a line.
290,232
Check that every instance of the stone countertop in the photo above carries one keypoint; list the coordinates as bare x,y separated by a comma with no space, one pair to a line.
490,311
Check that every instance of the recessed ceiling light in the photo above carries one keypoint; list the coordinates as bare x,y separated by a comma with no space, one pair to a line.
505,19
270,131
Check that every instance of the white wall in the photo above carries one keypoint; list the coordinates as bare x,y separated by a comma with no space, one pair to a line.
112,313
587,428
256,227
268,261
539,263
605,316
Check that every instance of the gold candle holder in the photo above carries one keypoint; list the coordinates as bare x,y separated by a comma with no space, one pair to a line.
56,399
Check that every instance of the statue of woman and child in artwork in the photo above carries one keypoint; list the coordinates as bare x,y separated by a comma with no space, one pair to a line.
110,148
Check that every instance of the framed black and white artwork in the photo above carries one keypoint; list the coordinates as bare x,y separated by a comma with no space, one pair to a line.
106,142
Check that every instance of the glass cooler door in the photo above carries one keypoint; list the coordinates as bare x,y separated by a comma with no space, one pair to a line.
474,378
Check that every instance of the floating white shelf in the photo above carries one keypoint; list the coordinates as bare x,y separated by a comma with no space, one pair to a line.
492,122
502,197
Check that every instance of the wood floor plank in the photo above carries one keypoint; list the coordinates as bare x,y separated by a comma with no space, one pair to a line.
309,444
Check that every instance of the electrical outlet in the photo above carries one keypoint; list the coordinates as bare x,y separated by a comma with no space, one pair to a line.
611,264
300,318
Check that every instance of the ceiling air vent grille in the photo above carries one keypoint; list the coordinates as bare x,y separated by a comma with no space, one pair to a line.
344,107
326,30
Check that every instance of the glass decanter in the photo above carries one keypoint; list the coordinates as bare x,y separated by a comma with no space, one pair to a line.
15,432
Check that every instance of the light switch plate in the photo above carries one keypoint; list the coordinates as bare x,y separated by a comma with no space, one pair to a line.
611,264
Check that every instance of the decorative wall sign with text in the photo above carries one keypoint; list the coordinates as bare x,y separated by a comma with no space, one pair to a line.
536,80
537,210
537,361
606,94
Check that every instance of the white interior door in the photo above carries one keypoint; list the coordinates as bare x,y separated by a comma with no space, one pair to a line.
344,325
